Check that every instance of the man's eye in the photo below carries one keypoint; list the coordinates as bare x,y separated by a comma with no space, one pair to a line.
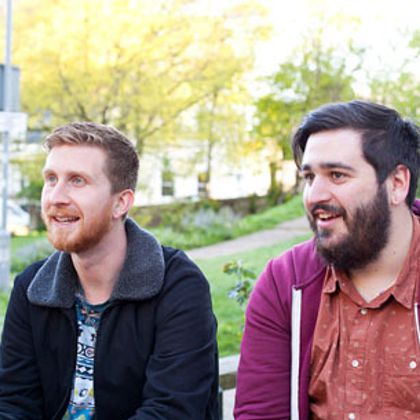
337,175
78,181
308,177
50,179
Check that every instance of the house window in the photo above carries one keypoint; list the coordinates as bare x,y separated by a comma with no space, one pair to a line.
167,183
203,184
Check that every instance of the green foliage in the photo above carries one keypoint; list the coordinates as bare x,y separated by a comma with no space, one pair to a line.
34,251
27,249
400,88
4,298
30,167
270,217
201,228
170,214
24,251
314,75
160,59
230,316
245,278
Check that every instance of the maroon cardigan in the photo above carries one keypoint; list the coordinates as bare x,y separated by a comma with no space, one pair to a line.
264,373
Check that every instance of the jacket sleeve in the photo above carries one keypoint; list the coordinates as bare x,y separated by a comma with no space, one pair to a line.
20,390
182,372
263,390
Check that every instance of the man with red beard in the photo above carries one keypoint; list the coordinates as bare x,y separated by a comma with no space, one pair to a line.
332,326
112,325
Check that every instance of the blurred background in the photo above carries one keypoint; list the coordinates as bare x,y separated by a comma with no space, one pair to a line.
209,91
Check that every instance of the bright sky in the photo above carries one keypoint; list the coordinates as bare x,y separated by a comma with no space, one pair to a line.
375,23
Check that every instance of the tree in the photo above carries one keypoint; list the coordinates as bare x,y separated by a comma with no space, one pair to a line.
221,121
314,75
138,64
29,166
399,88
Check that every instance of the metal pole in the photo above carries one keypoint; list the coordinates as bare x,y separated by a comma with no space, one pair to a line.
5,237
7,107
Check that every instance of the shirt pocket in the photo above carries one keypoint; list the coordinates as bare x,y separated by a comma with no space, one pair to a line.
401,385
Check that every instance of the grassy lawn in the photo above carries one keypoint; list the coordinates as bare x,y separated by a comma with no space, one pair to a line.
270,217
198,236
229,314
18,242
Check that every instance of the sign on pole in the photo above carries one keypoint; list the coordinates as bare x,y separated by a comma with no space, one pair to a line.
9,100
14,123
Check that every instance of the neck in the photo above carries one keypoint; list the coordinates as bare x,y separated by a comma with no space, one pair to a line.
381,274
98,268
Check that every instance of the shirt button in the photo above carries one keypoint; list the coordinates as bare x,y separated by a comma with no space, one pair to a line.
355,364
363,311
352,416
413,364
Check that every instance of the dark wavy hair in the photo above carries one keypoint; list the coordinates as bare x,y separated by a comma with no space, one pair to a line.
388,140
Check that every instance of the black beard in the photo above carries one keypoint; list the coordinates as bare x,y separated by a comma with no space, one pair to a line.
368,233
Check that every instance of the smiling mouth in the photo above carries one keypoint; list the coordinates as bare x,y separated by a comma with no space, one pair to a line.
64,219
325,217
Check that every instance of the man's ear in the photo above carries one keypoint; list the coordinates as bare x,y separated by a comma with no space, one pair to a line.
399,184
124,200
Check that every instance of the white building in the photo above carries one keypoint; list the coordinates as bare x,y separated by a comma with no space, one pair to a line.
178,172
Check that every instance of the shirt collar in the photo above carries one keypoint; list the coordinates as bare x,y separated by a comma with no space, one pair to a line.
403,290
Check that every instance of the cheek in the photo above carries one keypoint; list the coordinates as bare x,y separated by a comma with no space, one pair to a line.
44,198
305,197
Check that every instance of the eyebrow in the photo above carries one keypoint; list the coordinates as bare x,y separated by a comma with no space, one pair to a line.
69,174
328,165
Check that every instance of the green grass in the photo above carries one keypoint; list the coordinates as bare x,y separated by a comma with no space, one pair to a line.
196,237
270,217
4,298
17,242
228,312
17,245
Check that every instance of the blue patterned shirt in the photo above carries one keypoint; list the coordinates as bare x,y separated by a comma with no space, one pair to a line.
82,399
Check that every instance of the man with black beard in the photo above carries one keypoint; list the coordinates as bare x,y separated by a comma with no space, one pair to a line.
368,233
332,326
112,325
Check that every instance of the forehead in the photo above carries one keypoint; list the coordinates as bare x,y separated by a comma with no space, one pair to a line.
341,146
76,158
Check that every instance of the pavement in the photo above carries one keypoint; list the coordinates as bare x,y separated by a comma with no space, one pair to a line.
263,238
280,233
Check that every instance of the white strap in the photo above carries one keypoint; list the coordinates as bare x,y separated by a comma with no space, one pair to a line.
416,315
295,349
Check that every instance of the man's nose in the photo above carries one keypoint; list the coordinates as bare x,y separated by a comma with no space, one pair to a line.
57,193
319,191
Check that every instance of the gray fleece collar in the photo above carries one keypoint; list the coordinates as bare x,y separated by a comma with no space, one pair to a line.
142,275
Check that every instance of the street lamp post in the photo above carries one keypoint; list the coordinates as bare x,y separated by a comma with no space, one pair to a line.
7,91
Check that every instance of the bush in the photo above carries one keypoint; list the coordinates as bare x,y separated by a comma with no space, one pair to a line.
209,224
245,279
29,254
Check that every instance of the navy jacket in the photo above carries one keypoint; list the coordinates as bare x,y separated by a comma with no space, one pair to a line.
156,351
